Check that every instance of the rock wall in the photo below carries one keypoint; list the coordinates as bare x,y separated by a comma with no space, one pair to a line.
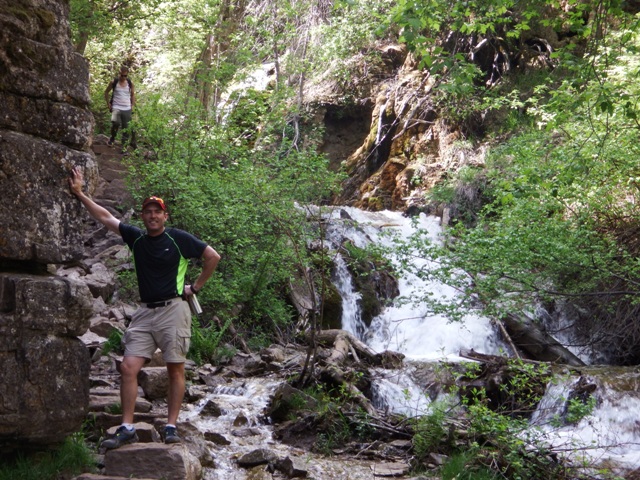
390,139
45,130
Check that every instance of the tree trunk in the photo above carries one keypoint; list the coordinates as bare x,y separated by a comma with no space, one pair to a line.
216,44
538,344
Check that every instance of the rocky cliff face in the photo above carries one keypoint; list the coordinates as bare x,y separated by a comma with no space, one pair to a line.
45,130
390,140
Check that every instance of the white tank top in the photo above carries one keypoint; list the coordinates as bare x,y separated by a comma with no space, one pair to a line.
122,97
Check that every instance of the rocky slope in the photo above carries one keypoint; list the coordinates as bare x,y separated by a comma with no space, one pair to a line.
229,420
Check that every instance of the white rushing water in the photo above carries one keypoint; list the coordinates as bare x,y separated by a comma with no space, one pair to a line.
404,326
609,435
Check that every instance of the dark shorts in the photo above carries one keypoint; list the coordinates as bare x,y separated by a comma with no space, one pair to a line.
167,328
121,117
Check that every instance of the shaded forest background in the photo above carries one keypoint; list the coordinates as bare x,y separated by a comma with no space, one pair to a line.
542,95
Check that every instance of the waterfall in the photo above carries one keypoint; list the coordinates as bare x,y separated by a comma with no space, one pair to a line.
351,317
609,435
403,326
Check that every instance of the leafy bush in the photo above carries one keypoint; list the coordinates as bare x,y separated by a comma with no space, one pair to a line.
430,433
205,344
113,343
462,467
239,199
71,458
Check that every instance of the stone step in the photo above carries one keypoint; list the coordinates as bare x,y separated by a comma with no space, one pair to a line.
93,476
155,460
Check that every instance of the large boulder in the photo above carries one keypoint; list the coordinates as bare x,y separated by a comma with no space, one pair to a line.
45,130
44,368
153,460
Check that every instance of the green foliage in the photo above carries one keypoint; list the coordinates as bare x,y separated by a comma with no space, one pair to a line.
239,199
334,432
71,458
430,432
462,467
576,409
205,344
556,205
500,436
127,285
113,343
115,409
488,434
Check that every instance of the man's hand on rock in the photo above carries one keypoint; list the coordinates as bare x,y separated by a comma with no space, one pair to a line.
76,181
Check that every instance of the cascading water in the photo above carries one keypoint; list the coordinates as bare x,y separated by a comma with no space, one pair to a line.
351,316
610,434
406,327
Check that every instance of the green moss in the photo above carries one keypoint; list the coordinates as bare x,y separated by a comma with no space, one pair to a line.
22,12
47,18
332,308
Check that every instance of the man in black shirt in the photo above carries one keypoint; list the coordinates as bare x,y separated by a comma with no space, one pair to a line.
163,320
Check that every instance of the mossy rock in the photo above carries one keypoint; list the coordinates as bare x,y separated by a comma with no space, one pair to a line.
332,308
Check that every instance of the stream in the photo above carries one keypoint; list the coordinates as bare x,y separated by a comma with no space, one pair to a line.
609,436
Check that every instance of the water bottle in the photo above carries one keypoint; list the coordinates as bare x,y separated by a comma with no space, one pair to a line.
194,304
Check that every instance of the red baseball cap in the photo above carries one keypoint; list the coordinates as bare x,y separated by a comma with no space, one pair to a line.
154,199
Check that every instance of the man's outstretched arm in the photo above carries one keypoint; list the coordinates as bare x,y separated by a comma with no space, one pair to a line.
101,214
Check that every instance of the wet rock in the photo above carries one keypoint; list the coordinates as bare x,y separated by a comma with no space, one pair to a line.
194,440
240,420
261,456
291,467
216,438
246,432
211,409
195,393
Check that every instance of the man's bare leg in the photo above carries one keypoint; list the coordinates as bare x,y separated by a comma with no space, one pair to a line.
129,369
176,391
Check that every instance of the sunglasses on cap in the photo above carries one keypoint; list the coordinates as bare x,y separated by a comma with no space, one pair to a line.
157,200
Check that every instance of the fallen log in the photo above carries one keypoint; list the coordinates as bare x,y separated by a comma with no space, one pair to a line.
362,351
336,376
537,343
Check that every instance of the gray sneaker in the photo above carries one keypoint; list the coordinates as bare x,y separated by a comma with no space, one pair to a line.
171,435
122,437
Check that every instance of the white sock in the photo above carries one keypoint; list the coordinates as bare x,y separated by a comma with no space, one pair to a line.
128,426
170,425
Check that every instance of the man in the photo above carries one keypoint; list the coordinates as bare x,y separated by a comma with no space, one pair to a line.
121,102
163,320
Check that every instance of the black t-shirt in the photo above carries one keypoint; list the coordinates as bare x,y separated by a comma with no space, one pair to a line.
161,262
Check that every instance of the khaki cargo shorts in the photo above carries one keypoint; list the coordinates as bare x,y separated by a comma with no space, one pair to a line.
167,328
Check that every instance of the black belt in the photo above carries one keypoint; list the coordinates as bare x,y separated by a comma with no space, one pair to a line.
158,304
